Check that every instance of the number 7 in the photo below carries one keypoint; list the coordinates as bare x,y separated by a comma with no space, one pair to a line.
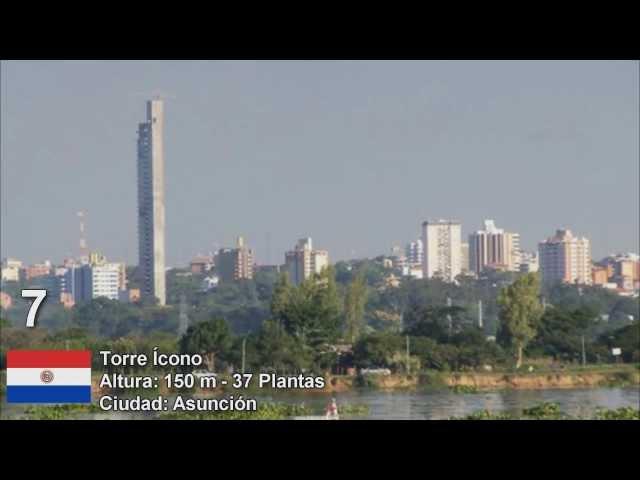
39,296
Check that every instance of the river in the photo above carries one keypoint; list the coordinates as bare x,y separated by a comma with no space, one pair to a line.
441,405
436,404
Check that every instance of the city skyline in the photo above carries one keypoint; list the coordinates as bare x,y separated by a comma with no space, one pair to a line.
231,185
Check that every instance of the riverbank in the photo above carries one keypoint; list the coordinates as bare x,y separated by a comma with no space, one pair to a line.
459,382
582,377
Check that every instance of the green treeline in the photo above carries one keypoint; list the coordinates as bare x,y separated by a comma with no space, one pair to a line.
351,314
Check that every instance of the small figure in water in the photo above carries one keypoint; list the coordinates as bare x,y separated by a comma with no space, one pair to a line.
332,410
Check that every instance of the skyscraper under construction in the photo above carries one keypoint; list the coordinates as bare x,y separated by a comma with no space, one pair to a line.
151,248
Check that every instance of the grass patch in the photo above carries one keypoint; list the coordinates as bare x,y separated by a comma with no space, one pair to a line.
354,409
464,389
552,411
59,412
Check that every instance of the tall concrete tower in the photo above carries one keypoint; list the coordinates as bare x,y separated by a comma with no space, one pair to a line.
151,252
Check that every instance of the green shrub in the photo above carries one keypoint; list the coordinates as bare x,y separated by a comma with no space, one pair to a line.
623,413
464,389
543,411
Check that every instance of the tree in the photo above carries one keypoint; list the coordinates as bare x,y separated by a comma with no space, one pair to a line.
280,351
310,312
106,318
520,310
377,350
433,322
560,332
281,297
354,305
330,304
627,339
211,338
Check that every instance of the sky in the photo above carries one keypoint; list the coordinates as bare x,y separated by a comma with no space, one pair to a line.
355,154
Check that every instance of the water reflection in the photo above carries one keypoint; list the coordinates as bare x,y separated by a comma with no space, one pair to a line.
434,405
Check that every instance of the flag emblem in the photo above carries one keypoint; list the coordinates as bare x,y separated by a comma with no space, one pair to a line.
46,376
49,376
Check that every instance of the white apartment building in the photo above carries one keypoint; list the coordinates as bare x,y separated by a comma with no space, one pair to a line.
303,261
86,282
565,258
105,280
442,249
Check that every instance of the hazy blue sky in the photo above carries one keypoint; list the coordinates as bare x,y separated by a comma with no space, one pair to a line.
353,154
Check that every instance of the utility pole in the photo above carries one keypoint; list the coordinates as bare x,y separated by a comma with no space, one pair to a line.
480,314
244,352
408,357
449,320
183,323
584,353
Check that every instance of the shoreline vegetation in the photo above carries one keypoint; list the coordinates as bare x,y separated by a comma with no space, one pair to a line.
469,382
462,383
283,411
552,411
596,376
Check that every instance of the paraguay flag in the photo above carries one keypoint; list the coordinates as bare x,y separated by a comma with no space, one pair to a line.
49,376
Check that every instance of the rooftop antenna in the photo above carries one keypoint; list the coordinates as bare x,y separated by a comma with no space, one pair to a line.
155,94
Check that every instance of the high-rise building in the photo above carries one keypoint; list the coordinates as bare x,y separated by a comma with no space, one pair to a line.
464,257
303,261
442,249
151,246
565,258
105,280
414,252
86,282
235,263
494,248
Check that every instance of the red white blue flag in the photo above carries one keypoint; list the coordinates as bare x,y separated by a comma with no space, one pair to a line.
49,376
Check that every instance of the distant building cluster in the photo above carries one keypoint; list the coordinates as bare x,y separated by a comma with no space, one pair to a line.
439,252
561,258
618,272
75,280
